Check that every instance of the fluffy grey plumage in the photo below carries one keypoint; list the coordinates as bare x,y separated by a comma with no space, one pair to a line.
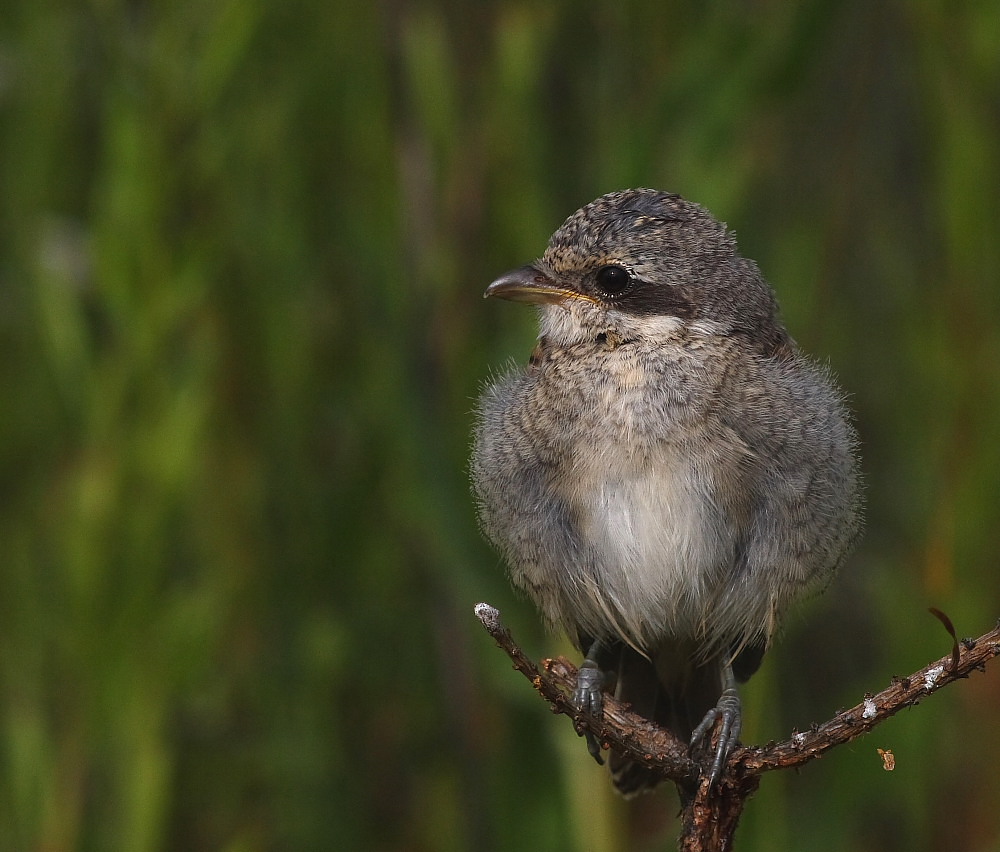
670,472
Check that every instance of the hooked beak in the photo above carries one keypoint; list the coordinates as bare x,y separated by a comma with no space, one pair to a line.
528,284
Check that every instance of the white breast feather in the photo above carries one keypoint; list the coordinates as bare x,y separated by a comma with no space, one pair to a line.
656,542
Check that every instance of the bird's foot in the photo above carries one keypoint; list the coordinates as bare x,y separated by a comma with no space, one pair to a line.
730,710
588,701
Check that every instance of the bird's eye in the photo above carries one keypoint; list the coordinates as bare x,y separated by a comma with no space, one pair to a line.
613,280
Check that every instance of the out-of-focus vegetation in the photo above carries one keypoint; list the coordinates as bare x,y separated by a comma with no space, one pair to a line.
242,251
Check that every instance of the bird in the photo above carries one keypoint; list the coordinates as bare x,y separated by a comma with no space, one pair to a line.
669,472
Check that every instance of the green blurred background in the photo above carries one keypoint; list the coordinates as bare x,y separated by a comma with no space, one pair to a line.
242,252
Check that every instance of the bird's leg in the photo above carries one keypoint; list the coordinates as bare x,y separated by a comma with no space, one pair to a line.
730,709
587,698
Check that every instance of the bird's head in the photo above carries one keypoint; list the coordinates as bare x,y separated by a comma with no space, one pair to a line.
644,263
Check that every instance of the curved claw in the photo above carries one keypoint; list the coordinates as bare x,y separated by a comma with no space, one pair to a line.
730,710
587,700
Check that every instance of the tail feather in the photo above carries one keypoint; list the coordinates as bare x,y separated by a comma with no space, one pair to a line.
671,692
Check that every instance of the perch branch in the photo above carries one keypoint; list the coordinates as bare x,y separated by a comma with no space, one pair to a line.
972,655
710,818
619,728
